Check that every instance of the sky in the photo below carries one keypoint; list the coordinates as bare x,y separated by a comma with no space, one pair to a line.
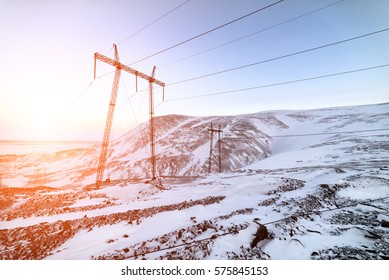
47,90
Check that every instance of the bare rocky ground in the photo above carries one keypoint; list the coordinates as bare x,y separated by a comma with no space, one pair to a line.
293,206
341,214
44,201
37,241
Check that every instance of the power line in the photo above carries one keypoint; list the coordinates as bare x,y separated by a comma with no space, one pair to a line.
278,84
276,136
268,28
314,134
277,58
332,133
135,114
207,32
151,23
251,34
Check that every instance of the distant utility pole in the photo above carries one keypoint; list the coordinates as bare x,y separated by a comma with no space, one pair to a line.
36,177
219,131
39,177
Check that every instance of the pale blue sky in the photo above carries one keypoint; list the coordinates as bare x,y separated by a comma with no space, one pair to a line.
47,52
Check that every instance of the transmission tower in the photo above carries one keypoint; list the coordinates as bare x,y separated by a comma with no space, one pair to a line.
219,131
111,109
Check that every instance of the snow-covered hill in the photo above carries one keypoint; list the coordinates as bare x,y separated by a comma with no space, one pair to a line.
295,185
183,146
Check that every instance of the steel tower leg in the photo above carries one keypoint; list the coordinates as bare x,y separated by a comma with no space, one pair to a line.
108,124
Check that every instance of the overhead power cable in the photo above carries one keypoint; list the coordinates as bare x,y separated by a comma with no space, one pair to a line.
279,84
135,115
251,34
277,58
207,32
304,135
331,133
314,134
151,23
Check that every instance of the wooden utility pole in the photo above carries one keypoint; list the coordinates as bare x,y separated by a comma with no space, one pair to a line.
210,149
37,177
107,131
219,131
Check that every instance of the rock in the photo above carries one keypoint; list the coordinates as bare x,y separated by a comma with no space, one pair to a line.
384,223
338,170
261,234
66,226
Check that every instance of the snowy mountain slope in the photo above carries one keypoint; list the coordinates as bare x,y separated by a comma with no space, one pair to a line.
317,180
183,143
334,136
183,146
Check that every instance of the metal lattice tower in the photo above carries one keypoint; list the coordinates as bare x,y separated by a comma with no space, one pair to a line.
111,109
152,127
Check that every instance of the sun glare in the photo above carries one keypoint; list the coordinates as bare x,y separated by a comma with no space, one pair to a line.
40,125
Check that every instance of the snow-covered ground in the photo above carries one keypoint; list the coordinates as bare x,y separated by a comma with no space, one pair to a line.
296,185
